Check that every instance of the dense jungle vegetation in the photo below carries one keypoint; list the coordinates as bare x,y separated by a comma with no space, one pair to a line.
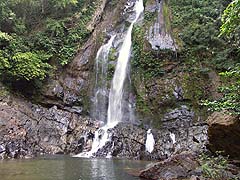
208,36
36,36
35,32
210,32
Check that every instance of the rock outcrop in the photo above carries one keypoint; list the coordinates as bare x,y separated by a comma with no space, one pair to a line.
178,167
188,166
178,133
224,134
28,130
159,33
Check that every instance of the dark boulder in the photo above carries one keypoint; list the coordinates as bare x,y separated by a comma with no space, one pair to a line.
189,166
224,134
177,167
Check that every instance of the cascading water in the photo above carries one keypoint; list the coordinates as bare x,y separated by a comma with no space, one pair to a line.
150,142
173,138
99,109
115,112
100,96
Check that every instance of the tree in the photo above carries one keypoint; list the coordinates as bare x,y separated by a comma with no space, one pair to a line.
231,91
61,4
231,18
29,66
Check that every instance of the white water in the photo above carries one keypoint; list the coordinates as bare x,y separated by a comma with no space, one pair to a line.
150,142
99,111
173,137
98,143
115,113
99,100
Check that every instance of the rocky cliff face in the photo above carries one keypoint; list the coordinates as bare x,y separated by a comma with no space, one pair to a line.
129,140
28,130
71,88
59,122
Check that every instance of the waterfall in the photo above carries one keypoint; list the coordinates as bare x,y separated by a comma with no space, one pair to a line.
114,112
99,109
173,138
100,96
150,142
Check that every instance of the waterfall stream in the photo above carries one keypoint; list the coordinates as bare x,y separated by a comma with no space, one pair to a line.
173,138
100,96
150,142
99,109
115,111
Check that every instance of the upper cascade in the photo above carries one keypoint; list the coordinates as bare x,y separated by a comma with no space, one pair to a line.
115,113
99,107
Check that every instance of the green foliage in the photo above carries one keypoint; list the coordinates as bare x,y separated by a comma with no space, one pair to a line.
33,31
64,3
231,18
149,16
230,28
213,166
142,104
197,24
4,63
231,93
144,60
110,71
231,90
55,28
30,65
4,37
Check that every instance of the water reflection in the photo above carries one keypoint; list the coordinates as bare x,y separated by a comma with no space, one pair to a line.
67,168
102,170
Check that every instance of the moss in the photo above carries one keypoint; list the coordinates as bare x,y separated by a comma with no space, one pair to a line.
3,93
145,60
149,65
110,71
112,55
149,16
141,103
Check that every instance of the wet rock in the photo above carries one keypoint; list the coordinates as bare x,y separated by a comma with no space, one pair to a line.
177,167
224,134
178,133
2,149
70,86
159,35
179,117
28,130
187,166
178,93
128,141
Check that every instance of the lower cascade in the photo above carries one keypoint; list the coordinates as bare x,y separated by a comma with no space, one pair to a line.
150,142
114,113
173,137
